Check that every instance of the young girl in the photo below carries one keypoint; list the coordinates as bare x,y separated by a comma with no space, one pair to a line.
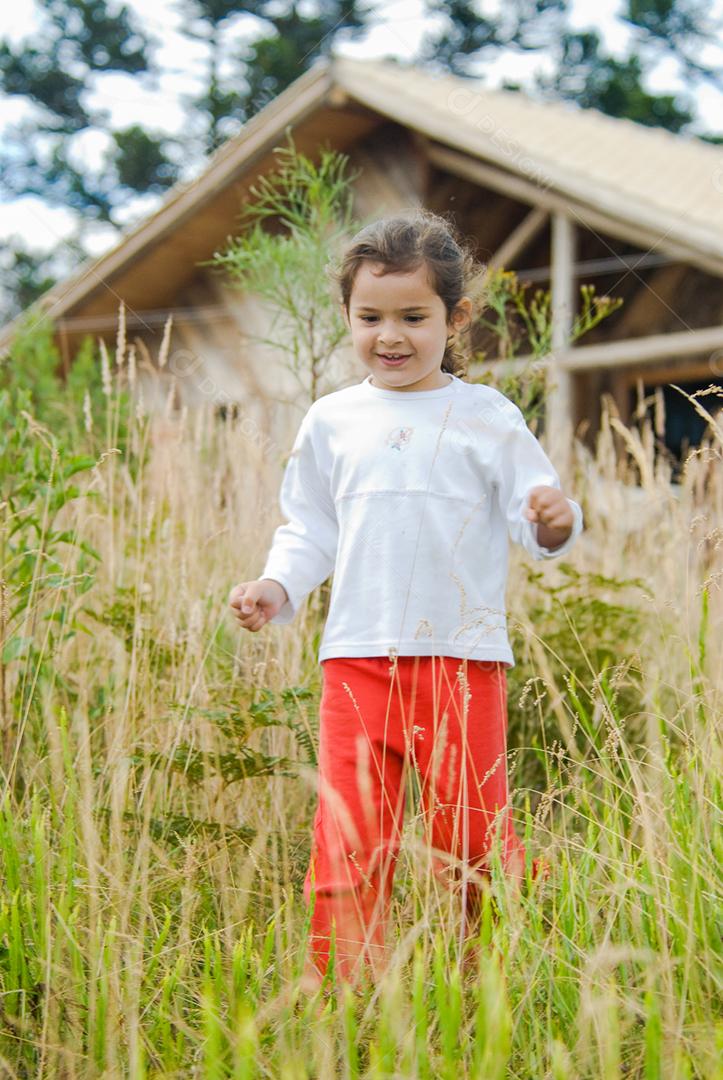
406,486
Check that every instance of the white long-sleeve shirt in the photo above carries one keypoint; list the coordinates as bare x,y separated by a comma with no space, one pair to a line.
409,498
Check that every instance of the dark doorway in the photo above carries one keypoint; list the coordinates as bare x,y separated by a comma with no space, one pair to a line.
684,427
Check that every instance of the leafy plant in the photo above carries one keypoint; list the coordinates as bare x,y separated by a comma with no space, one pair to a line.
585,616
196,764
44,566
294,217
514,317
237,725
517,319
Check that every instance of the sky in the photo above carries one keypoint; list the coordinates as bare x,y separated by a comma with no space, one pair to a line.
398,32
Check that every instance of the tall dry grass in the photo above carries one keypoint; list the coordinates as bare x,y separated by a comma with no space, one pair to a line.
151,921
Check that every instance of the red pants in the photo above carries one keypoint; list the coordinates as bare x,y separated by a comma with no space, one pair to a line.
446,716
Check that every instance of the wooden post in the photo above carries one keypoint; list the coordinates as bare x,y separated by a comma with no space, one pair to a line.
558,410
518,239
621,354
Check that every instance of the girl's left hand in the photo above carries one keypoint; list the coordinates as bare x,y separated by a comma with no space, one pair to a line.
548,506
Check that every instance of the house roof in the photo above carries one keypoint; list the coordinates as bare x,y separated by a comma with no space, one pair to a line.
669,186
672,184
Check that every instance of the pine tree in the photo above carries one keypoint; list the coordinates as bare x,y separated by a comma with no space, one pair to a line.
468,36
82,39
584,71
240,81
587,75
79,40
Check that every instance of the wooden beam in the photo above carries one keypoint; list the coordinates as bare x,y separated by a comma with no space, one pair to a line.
558,405
620,354
563,281
673,373
643,350
516,187
519,238
143,319
610,264
479,172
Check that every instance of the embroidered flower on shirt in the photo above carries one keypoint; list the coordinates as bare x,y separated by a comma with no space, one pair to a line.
399,438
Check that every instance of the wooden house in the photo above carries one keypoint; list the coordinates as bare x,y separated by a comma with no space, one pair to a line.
563,196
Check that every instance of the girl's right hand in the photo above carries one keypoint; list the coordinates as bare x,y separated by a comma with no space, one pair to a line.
254,603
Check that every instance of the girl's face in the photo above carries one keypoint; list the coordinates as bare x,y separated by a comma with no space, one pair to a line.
400,315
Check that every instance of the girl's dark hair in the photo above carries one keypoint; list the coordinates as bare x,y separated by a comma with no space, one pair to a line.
402,243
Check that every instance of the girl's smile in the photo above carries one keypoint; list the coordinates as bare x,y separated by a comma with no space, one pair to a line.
399,327
392,360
